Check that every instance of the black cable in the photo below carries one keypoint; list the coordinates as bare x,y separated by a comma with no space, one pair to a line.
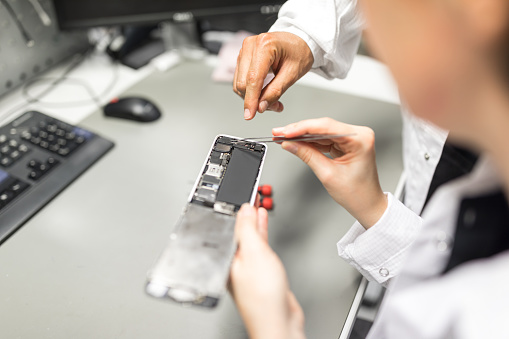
28,39
55,81
75,62
77,59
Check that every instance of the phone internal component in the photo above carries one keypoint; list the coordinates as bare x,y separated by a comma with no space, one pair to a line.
210,181
225,140
222,148
206,195
215,158
214,170
240,177
222,207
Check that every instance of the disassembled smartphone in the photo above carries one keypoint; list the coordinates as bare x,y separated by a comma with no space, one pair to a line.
194,267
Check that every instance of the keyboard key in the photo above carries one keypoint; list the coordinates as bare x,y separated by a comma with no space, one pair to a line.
51,128
6,161
23,148
3,138
4,177
15,155
52,161
5,149
82,133
63,151
54,147
18,186
64,126
26,135
35,175
35,140
6,197
33,163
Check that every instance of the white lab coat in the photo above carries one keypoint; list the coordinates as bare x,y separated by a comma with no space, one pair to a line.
403,248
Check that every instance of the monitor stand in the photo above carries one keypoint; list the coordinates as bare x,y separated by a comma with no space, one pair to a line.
184,38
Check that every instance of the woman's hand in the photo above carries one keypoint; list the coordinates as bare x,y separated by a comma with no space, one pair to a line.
259,284
349,174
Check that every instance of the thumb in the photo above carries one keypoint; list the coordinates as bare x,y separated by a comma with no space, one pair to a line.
315,159
263,224
246,226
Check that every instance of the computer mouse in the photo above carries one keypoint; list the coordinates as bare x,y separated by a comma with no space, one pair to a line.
132,108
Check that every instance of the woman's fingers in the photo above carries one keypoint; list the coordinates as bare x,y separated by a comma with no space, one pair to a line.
314,126
314,158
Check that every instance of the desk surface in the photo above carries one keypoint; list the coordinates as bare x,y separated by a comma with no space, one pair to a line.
77,269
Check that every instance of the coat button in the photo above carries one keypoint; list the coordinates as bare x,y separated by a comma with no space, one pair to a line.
442,246
384,272
442,241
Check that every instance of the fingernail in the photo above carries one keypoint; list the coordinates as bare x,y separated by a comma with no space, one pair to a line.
276,107
246,210
247,114
278,130
263,106
290,147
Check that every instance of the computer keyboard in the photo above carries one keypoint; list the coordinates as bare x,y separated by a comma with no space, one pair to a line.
39,157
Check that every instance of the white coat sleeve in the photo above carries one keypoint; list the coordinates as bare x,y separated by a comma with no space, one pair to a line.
378,253
468,302
331,28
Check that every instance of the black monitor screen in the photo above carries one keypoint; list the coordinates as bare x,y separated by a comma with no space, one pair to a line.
89,13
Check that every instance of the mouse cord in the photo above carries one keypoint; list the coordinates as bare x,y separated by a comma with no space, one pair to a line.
62,79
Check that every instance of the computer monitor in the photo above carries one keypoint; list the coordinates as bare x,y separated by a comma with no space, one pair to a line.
89,13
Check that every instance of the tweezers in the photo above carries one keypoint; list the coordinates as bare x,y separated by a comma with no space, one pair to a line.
304,137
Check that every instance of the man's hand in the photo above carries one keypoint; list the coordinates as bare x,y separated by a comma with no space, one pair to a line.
259,284
349,174
289,58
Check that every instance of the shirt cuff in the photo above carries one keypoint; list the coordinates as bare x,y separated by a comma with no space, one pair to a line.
378,252
318,53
